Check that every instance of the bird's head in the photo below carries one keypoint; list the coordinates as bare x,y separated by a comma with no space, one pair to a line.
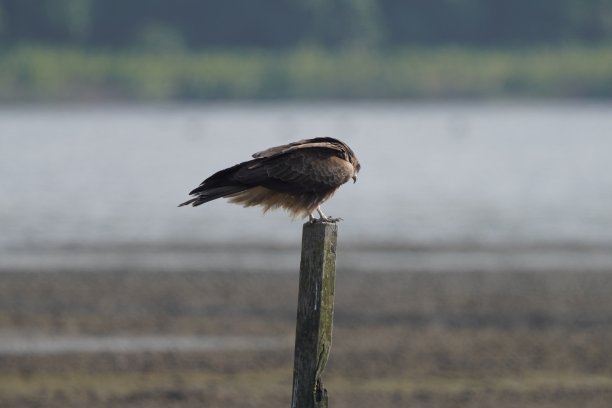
356,167
344,152
352,158
355,162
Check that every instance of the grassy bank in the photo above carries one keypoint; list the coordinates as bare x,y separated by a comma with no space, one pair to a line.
42,74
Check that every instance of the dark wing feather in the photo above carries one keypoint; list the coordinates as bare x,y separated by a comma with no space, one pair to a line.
216,186
222,178
319,142
298,171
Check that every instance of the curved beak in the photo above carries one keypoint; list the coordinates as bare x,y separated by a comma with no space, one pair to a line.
354,179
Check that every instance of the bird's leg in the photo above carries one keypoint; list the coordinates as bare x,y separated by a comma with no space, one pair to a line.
321,215
311,219
325,218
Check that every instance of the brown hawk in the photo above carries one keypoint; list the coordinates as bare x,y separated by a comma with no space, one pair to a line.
297,176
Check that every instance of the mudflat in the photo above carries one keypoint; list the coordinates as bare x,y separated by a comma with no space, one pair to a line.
418,339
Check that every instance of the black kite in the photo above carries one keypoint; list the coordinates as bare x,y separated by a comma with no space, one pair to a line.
297,176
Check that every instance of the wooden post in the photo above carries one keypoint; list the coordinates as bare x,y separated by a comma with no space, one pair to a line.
313,332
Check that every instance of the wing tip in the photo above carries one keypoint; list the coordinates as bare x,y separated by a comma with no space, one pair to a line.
187,202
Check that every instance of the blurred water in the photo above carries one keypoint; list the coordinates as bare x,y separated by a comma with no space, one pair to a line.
19,343
79,185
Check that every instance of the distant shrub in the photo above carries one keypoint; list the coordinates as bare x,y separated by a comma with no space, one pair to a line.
39,74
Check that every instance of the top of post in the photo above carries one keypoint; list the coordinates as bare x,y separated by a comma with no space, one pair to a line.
326,226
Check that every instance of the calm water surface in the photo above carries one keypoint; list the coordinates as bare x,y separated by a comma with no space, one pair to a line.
475,183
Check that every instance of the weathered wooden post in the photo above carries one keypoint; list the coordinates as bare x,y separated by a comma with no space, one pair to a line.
313,332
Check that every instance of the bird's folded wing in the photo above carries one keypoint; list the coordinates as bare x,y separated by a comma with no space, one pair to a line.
307,170
322,142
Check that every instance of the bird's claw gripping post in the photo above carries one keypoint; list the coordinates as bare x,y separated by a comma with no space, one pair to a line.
332,220
322,218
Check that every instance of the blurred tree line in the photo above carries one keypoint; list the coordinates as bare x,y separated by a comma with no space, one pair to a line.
278,24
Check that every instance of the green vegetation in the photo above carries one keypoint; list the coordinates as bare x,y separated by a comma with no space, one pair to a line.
261,49
39,74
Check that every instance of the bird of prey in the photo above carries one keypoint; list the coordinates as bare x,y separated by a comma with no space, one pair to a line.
297,176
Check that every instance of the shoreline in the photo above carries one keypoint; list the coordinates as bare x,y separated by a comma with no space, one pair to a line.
282,258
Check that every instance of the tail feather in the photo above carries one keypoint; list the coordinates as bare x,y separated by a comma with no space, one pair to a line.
205,195
220,184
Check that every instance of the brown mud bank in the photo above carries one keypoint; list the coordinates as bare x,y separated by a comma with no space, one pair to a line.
400,339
